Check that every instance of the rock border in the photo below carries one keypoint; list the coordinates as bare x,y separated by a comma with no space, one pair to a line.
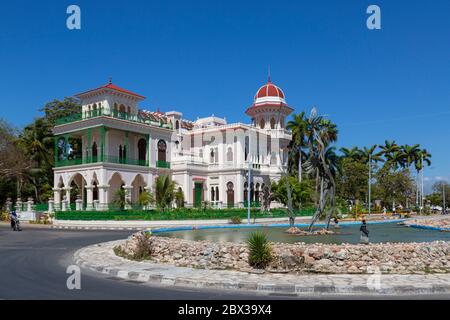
101,258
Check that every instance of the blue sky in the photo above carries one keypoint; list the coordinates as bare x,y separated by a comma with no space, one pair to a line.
210,57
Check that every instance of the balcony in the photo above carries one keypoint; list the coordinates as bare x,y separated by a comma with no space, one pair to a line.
163,164
106,159
114,114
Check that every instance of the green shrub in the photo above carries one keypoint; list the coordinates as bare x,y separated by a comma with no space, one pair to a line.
142,251
236,220
260,251
4,216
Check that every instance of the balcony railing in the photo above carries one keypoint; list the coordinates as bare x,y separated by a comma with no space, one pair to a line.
163,164
107,159
114,114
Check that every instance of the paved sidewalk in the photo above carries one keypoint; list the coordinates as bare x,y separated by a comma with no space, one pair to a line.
101,258
146,224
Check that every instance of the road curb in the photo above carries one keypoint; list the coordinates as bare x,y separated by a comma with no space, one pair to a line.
262,287
99,228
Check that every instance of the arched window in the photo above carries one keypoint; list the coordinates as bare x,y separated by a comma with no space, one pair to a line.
281,122
200,153
272,123
212,193
230,194
162,147
217,194
120,153
257,192
245,191
212,154
262,123
177,125
252,192
246,148
230,154
94,152
142,150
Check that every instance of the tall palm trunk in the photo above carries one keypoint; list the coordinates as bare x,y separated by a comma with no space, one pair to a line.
300,165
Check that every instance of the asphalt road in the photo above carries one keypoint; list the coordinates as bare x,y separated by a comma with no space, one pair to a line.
33,265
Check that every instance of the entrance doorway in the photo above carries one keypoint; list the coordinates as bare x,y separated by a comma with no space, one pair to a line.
198,192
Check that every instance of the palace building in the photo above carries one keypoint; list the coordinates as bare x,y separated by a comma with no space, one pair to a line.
113,144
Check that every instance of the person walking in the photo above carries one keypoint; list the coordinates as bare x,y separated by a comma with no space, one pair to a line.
364,233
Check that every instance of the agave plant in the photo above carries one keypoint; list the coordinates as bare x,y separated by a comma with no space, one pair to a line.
260,251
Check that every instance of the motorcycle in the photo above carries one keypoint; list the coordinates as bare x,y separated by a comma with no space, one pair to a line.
15,223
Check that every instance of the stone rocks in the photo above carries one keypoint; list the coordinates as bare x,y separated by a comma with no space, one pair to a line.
436,222
393,258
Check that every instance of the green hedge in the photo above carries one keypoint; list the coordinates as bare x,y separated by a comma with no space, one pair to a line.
177,214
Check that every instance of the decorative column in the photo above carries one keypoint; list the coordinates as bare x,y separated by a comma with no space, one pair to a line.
89,158
103,197
57,198
128,197
30,205
148,141
102,143
51,205
64,204
8,205
127,151
78,204
90,198
68,195
19,205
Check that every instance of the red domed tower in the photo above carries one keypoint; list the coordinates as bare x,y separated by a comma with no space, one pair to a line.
269,109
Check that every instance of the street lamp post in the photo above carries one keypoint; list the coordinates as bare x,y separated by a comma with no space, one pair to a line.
443,198
249,176
370,177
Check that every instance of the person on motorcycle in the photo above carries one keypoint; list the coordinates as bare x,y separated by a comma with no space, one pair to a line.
14,221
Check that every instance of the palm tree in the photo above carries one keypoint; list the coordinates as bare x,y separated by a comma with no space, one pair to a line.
410,153
354,153
322,162
298,127
423,157
164,191
389,148
370,154
396,159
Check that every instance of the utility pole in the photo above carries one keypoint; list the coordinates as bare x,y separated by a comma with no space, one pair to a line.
370,177
249,157
421,187
443,198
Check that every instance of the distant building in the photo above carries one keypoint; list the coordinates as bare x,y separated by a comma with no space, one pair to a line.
113,144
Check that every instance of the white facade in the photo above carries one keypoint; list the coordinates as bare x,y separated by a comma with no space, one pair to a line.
114,145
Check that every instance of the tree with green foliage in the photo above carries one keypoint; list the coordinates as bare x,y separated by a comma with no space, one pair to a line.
353,180
394,187
57,109
164,192
298,127
301,192
179,198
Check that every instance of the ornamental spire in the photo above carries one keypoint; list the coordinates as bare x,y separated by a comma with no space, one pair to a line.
269,81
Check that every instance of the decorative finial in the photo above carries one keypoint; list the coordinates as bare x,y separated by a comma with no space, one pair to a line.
269,75
110,80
